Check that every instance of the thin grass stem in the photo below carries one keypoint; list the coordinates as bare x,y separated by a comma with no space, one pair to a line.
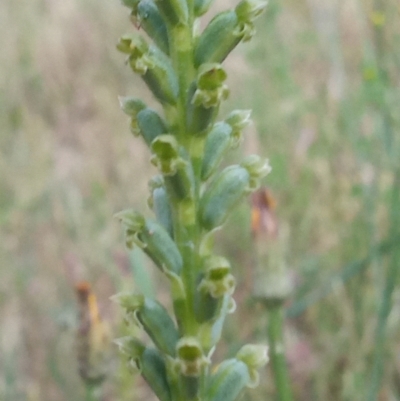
277,352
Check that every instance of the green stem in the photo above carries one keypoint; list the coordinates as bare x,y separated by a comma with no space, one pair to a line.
393,265
386,299
181,44
185,237
90,393
277,351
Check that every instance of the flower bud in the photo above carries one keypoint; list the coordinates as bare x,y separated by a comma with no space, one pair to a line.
150,363
125,44
153,369
218,279
223,135
153,65
130,346
254,356
222,195
249,10
258,168
154,319
150,125
229,380
131,105
228,188
210,85
166,155
218,39
238,120
153,239
146,15
205,96
199,118
234,374
216,283
226,30
217,143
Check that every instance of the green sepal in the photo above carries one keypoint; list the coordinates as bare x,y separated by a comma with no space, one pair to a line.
218,39
229,380
153,318
146,15
150,125
234,374
223,135
222,195
153,369
150,363
228,188
226,30
153,65
161,79
153,239
174,163
174,11
159,203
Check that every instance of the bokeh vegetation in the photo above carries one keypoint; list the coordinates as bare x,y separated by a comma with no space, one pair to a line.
322,78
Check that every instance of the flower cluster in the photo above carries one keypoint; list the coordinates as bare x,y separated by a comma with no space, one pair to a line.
191,196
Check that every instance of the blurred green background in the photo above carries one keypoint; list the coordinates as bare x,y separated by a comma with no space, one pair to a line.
323,80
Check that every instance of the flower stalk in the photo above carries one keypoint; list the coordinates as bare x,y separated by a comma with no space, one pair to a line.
190,197
271,283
